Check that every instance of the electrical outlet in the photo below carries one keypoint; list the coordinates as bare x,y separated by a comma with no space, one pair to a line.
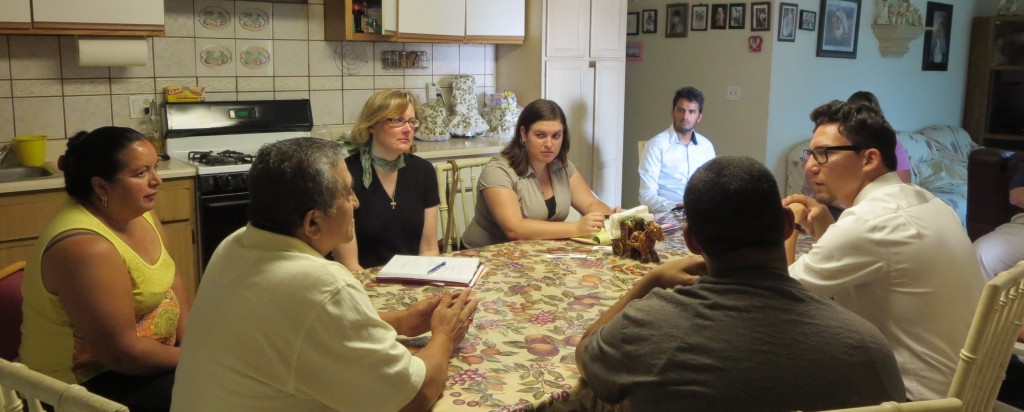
137,104
732,93
432,90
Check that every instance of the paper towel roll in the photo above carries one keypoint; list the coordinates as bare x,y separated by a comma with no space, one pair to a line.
112,52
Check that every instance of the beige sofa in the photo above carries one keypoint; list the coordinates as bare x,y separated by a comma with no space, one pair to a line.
938,158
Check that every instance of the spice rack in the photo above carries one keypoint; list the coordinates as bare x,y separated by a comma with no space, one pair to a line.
395,59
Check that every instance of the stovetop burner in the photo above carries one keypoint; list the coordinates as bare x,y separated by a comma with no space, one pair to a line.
224,157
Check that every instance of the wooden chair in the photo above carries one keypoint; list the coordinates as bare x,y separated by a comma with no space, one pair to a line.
457,184
18,382
934,405
641,147
990,341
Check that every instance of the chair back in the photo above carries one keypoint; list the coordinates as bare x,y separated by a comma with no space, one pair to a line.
18,382
995,327
457,184
641,147
10,310
933,405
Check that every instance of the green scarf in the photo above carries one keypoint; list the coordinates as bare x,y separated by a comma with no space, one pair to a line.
365,156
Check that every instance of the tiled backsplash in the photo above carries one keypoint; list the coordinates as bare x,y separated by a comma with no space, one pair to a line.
44,91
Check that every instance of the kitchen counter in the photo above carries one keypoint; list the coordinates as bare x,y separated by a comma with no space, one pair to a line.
459,148
168,169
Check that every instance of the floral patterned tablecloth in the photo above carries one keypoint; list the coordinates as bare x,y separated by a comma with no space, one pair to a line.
519,353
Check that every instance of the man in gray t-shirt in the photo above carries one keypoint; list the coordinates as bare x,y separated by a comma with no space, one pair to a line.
746,336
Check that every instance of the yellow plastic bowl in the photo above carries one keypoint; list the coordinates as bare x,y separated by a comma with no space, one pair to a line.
31,149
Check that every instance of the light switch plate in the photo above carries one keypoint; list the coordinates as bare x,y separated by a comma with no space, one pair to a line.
732,93
137,104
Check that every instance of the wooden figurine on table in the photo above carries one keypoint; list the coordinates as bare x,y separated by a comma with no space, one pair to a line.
637,238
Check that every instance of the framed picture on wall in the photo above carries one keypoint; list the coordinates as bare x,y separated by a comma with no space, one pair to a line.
634,51
676,19
737,15
649,18
787,21
936,40
719,16
808,20
700,18
760,16
632,23
840,23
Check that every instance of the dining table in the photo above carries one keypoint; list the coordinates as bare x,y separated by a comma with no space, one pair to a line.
536,298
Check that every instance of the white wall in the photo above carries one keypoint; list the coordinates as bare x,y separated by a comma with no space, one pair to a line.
911,98
710,61
783,83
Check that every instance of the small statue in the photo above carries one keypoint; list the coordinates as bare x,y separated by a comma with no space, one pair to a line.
637,238
883,14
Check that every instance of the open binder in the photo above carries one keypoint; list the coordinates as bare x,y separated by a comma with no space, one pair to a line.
436,270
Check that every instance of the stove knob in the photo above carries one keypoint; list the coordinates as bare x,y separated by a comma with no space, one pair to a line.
224,182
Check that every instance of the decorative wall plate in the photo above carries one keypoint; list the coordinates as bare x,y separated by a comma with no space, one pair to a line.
253,19
215,57
254,57
214,18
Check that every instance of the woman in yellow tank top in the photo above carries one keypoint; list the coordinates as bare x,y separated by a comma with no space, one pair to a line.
103,303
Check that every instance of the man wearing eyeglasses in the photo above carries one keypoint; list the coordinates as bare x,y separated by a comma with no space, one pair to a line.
897,256
672,156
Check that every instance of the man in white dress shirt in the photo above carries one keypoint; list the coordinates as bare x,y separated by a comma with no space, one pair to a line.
673,155
897,256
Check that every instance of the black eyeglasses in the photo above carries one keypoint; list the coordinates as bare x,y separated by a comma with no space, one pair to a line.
397,122
820,154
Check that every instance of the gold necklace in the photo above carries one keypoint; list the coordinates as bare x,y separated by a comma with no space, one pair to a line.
392,196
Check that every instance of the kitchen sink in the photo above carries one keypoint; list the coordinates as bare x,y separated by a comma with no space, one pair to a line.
18,173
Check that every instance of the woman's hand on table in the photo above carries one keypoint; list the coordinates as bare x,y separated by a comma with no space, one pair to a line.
684,271
589,223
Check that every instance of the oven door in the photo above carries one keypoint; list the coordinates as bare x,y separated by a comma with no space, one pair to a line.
220,216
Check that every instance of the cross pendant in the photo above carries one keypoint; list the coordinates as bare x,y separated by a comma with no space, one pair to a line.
392,204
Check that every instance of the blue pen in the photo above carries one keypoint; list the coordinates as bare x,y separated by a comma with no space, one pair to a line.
435,268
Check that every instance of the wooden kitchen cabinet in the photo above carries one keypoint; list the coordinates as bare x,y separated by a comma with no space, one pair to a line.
87,17
994,98
27,214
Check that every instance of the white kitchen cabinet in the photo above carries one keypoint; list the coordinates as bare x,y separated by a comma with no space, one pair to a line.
495,21
90,17
435,21
585,28
608,29
574,55
426,20
98,12
16,15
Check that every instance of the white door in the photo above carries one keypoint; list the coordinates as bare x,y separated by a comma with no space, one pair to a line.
496,18
133,12
609,117
434,17
567,28
608,29
570,83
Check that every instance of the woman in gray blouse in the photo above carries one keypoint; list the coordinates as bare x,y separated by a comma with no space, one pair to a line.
525,193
